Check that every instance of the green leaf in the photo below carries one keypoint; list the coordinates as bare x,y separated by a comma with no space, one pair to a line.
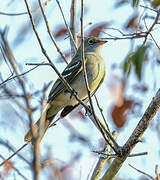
136,60
158,61
127,66
135,3
155,3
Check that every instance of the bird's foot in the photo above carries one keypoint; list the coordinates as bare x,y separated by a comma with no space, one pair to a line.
73,93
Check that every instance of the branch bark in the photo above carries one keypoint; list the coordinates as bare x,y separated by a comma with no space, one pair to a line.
72,25
134,138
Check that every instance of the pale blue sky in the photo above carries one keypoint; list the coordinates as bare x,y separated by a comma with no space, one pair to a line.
113,51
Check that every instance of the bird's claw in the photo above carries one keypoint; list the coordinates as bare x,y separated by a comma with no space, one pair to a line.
88,112
73,93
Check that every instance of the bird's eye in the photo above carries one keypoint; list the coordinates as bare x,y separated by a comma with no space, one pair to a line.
90,41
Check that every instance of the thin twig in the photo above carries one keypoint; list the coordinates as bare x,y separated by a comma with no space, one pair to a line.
49,31
116,29
145,7
128,35
115,155
84,27
72,25
24,13
102,160
37,138
51,64
4,81
27,100
18,172
138,26
13,14
142,172
138,154
136,36
69,31
105,132
13,154
101,111
83,56
36,157
97,123
60,76
3,48
83,63
157,173
38,64
151,35
134,138
152,26
10,147
16,76
11,59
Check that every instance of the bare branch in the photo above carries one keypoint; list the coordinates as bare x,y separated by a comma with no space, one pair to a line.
69,31
10,56
142,172
16,152
134,138
50,33
145,7
127,36
18,172
138,154
10,147
24,13
152,26
95,119
115,155
151,35
157,173
52,65
101,111
72,24
102,160
11,77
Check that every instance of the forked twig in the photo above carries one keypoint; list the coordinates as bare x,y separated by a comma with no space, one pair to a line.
69,31
18,172
13,154
95,119
142,172
24,13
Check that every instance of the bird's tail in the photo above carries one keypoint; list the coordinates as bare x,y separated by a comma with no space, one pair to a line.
38,129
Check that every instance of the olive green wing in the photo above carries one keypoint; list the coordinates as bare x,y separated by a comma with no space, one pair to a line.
69,73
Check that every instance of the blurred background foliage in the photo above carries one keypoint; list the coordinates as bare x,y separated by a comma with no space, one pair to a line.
132,57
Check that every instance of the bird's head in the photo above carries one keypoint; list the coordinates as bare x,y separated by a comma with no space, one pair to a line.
93,44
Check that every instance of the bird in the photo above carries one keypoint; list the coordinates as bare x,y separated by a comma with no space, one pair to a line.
60,97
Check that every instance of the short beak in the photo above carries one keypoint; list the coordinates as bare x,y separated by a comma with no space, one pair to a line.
102,42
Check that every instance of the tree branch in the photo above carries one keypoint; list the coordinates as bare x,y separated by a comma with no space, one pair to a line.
72,25
134,138
102,160
152,26
49,31
69,31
